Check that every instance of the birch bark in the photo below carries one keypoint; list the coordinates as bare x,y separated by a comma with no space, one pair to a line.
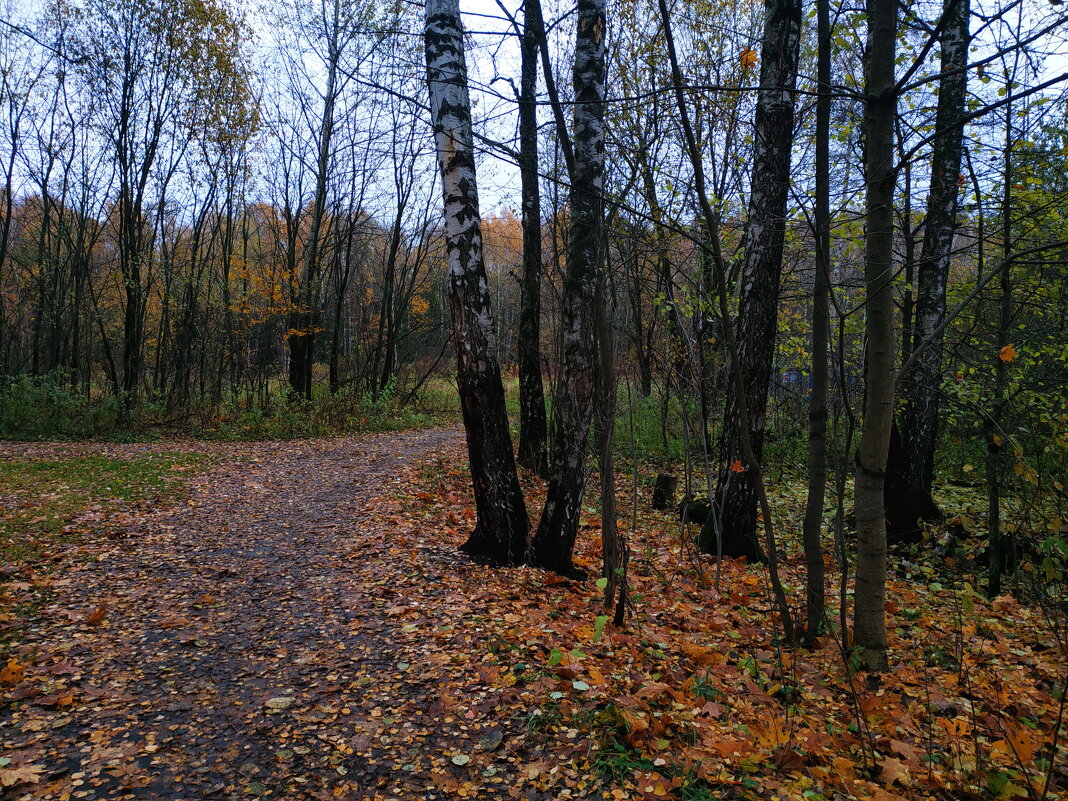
532,424
501,526
922,384
555,538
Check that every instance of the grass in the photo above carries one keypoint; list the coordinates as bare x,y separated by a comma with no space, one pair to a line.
42,501
47,408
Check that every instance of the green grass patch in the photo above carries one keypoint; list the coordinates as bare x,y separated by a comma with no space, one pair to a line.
42,500
47,408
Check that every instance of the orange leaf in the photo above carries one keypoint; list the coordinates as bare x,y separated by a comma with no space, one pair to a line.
1020,743
1008,353
748,59
737,466
13,673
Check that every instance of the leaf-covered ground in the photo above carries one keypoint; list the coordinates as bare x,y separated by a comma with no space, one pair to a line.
301,626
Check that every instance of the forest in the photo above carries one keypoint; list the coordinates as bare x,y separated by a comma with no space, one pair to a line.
633,399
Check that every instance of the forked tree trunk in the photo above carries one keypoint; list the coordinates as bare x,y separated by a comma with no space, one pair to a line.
532,425
555,539
922,385
501,525
869,615
764,236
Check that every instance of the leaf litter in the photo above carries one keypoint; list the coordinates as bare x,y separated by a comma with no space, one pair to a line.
303,627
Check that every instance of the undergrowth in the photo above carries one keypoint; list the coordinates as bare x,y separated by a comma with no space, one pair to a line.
38,408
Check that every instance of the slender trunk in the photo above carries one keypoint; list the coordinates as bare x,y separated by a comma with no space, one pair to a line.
554,541
922,385
615,552
998,552
908,233
532,423
343,263
869,615
8,200
304,322
385,345
761,270
501,527
812,527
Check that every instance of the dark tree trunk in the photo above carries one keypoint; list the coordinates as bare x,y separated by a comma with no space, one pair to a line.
664,491
501,526
869,616
555,538
812,527
719,275
532,424
614,548
762,267
922,384
304,321
1001,556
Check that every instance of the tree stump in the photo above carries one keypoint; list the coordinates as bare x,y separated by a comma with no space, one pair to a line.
664,491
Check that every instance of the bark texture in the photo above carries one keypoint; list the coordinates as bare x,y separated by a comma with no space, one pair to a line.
555,538
921,386
761,270
533,429
869,615
501,526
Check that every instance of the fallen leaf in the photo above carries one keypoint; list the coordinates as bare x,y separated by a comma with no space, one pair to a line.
97,615
13,672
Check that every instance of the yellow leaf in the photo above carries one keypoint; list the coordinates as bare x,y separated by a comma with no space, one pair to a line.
748,59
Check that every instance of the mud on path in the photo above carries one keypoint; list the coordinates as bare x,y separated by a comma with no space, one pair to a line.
262,639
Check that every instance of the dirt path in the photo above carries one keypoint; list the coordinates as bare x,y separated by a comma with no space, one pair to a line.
253,642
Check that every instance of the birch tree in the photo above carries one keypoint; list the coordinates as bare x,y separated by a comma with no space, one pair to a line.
921,386
501,526
532,423
555,538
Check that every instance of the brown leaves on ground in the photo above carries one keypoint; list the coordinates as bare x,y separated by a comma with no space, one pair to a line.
303,627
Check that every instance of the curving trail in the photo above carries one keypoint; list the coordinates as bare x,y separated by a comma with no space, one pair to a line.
253,642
